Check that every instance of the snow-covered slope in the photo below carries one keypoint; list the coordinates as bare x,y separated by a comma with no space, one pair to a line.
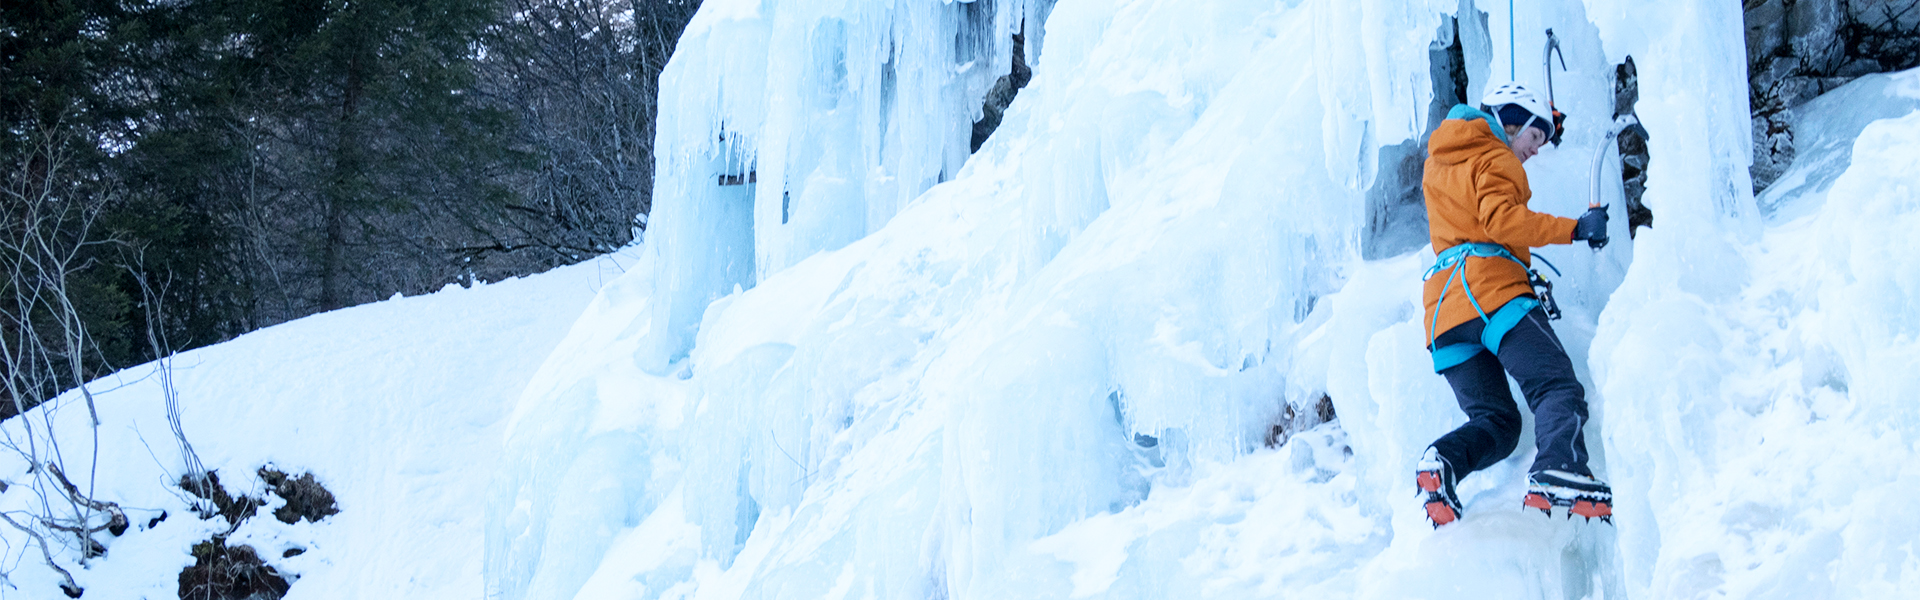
396,407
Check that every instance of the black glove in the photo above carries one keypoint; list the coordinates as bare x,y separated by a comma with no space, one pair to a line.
1592,227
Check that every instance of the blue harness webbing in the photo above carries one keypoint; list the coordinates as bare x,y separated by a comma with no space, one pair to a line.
1498,323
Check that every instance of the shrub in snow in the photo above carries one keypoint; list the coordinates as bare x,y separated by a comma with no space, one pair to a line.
306,498
222,572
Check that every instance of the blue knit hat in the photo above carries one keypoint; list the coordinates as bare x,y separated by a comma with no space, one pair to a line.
1514,114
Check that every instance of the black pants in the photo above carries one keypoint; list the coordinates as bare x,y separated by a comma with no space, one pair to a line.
1533,354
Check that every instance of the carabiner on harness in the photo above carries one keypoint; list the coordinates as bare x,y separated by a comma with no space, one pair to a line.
1544,289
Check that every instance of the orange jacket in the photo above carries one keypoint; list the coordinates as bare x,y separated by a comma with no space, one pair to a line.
1477,192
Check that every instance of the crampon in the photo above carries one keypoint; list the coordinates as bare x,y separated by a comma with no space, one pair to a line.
1579,495
1435,479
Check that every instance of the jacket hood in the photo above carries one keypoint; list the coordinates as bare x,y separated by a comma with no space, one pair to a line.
1467,132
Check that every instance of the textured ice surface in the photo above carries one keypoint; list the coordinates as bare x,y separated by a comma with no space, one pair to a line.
788,128
1051,374
1769,409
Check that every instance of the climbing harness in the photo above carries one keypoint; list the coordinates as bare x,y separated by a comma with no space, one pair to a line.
1559,118
1502,320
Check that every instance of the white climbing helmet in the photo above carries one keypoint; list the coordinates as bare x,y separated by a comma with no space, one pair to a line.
1518,95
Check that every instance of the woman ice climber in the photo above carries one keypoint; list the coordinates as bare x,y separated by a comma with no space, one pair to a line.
1483,319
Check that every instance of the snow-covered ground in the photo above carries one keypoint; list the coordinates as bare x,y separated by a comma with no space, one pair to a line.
887,369
396,407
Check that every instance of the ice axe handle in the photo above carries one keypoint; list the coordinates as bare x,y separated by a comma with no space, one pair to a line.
1626,123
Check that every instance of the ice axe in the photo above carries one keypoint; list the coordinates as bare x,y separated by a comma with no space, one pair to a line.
1627,123
1559,118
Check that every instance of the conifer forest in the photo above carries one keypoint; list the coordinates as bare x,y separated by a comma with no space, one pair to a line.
174,174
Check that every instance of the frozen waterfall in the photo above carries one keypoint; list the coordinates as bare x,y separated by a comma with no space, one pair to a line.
858,362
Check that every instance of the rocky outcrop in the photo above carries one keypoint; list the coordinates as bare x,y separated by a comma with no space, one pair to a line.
1001,96
1799,49
1634,155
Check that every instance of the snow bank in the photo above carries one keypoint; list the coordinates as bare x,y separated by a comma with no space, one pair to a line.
396,407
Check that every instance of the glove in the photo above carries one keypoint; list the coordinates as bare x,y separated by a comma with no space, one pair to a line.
1592,227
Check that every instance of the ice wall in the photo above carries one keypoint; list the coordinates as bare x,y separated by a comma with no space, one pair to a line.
1107,293
858,363
788,128
1761,370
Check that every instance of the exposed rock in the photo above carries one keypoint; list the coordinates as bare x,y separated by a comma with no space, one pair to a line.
1634,155
1885,14
1813,31
994,106
1396,209
1292,421
1800,49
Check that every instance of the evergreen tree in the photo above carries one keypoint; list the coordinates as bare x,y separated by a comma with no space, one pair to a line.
223,165
63,317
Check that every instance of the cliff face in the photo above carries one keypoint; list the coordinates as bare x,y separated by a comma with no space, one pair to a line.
1799,49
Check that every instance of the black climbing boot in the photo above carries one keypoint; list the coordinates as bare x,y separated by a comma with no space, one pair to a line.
1580,495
